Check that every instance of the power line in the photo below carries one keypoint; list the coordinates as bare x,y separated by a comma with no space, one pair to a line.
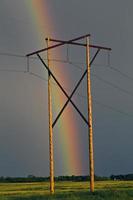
36,58
112,108
121,73
97,102
12,70
78,94
112,85
12,55
115,70
104,105
76,65
73,63
40,77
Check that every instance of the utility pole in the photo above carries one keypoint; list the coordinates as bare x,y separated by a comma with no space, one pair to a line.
51,152
69,97
90,128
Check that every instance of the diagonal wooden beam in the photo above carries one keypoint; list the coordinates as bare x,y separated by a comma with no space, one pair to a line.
74,90
52,75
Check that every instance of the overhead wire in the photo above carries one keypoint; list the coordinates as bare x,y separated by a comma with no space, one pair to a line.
73,63
112,108
76,64
112,84
12,70
121,73
96,102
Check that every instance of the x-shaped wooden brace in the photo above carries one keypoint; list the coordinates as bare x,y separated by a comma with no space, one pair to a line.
65,93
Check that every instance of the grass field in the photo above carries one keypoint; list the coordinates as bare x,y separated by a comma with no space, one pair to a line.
109,190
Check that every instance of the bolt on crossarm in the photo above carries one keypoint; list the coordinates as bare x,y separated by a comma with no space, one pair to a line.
91,153
51,152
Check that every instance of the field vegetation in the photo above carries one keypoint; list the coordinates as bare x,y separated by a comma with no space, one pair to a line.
67,190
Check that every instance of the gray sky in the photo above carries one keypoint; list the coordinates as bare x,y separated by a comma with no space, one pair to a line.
23,99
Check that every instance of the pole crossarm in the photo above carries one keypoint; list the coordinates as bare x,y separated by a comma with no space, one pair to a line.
57,45
61,43
74,90
80,44
50,72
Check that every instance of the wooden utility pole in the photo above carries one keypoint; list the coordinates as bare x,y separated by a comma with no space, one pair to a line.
69,98
51,152
91,153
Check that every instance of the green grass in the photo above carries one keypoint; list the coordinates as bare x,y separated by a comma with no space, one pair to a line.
104,190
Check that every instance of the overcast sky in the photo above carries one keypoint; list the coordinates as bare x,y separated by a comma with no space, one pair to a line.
23,97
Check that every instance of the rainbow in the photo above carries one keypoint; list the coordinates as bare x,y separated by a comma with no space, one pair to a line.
69,141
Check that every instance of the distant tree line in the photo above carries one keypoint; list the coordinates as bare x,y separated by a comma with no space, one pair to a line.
126,177
32,178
